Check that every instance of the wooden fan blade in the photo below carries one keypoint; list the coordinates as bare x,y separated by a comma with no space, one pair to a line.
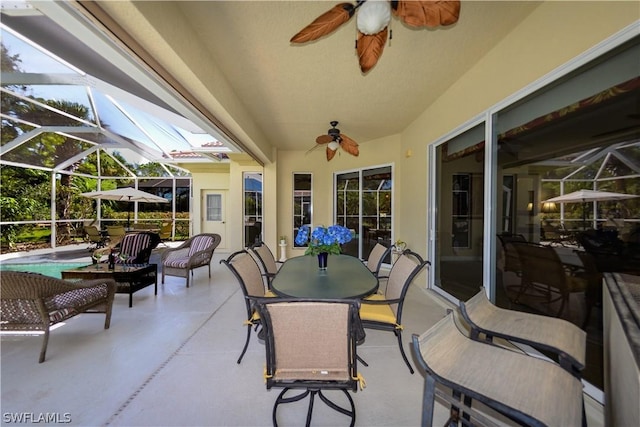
324,139
427,13
330,153
325,23
349,145
370,48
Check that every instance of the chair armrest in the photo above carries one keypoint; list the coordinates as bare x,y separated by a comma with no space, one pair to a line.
201,256
175,253
558,336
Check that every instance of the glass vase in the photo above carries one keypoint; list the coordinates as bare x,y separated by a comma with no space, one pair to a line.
323,258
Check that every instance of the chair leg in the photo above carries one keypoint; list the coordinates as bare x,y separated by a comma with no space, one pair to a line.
312,393
246,344
45,341
282,399
350,413
361,360
428,401
398,333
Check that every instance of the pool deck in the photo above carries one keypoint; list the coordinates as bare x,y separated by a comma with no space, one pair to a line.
70,253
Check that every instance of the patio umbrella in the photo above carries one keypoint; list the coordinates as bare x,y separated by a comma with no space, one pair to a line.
126,194
585,196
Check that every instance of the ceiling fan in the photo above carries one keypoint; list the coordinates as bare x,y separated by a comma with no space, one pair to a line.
334,140
373,21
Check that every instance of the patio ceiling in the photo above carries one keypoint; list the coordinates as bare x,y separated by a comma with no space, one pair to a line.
268,75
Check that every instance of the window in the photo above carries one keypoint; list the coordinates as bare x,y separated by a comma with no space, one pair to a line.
214,207
363,203
302,202
252,183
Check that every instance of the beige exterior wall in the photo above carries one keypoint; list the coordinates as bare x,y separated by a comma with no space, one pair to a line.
383,151
552,35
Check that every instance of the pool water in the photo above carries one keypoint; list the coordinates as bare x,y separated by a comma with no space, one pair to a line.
53,269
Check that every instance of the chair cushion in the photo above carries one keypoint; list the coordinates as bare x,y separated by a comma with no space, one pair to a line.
132,245
200,243
177,262
377,312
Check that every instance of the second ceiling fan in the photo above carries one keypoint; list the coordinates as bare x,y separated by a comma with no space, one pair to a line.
334,140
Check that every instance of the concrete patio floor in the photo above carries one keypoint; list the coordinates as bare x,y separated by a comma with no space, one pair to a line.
170,360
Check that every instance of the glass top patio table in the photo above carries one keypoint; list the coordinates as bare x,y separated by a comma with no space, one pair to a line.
345,277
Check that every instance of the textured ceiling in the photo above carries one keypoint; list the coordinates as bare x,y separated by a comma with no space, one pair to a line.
293,91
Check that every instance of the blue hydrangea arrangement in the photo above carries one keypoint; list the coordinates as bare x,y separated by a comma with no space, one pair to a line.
323,239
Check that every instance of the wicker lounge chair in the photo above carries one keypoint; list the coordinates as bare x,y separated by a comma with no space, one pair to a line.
33,302
134,248
193,253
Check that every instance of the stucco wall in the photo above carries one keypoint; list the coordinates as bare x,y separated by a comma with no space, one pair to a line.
383,151
553,34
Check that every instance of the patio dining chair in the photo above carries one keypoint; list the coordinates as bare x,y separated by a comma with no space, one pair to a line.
545,279
376,258
267,261
246,270
311,347
384,311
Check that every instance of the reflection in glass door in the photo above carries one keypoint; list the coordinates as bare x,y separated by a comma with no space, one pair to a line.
459,221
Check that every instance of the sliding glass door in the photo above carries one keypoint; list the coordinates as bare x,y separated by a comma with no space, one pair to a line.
363,203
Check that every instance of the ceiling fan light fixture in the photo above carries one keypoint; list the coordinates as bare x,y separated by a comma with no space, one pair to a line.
333,145
373,16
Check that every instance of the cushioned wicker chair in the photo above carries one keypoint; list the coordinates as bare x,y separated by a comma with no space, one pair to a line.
245,268
194,253
134,248
384,312
33,302
311,346
527,390
267,261
553,336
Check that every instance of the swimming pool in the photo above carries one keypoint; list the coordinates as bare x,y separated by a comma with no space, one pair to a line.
53,269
